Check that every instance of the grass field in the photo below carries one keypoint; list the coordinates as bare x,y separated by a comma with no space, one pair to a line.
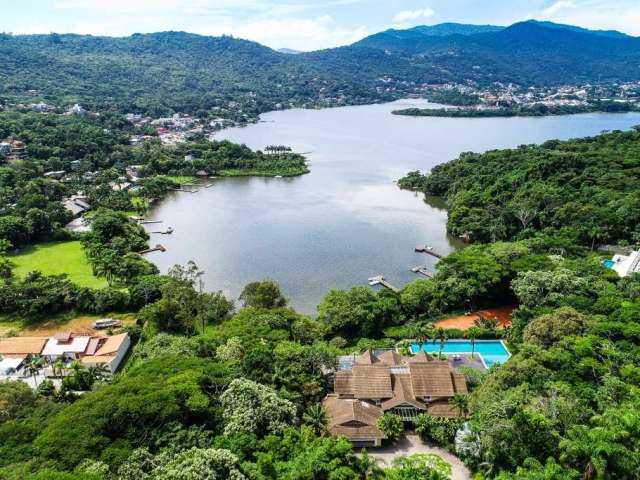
181,179
56,258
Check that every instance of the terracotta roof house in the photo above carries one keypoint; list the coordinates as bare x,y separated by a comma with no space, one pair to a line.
21,346
88,350
109,351
387,381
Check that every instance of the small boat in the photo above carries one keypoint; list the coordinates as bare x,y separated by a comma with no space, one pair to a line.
278,176
169,230
106,323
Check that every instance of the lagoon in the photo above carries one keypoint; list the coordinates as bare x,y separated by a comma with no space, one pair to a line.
345,221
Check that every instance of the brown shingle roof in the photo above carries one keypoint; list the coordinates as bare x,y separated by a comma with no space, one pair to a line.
343,383
459,382
442,409
22,345
366,358
352,418
420,357
391,358
402,393
432,379
371,382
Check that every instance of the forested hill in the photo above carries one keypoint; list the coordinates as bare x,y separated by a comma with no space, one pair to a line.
157,73
587,190
526,52
172,71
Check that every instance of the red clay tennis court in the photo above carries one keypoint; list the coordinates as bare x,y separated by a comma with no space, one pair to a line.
463,322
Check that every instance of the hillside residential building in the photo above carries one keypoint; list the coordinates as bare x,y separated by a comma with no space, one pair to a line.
77,204
15,353
626,264
110,352
389,382
87,349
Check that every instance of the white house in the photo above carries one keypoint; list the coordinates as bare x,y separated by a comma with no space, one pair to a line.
65,346
110,351
626,264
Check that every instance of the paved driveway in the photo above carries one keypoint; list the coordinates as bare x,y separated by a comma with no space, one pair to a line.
410,444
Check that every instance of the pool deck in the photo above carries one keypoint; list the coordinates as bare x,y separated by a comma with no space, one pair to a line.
464,357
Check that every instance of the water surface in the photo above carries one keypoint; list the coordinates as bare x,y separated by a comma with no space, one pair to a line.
346,221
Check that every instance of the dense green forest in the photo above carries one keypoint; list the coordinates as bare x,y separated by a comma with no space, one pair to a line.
584,189
210,390
537,110
161,73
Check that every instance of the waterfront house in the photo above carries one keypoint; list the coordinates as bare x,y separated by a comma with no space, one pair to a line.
377,382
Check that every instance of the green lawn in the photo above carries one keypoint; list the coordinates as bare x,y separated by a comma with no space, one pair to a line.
181,179
55,258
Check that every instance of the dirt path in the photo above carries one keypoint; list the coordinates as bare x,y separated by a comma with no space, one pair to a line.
47,328
410,444
463,322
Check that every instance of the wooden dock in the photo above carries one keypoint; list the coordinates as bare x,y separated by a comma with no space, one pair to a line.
422,271
380,280
149,222
168,231
429,250
157,248
184,190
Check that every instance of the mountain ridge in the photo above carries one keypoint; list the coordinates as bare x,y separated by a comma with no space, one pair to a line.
165,72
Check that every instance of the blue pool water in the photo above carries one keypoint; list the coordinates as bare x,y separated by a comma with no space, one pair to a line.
492,351
608,263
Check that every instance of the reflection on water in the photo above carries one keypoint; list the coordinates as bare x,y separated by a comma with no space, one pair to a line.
345,221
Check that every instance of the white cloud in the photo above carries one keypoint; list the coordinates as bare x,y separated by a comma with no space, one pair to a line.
412,15
299,33
623,15
558,7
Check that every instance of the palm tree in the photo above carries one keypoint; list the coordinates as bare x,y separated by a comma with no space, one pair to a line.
369,467
316,417
472,334
58,366
460,403
33,368
441,335
99,372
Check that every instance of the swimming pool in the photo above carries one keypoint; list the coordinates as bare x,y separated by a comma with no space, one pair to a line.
492,351
608,263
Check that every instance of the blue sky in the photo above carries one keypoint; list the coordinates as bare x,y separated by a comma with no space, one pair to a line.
300,24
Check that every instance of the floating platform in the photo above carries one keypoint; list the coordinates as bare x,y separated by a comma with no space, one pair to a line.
157,248
380,280
429,250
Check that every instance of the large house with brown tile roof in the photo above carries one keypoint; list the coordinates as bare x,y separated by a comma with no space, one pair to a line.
388,381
